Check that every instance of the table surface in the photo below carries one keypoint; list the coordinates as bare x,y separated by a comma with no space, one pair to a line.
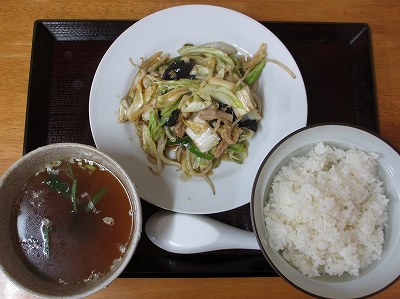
18,17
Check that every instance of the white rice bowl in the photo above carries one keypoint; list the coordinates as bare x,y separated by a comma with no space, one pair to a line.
326,243
326,211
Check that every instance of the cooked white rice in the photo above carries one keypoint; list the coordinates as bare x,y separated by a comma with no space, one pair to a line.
327,210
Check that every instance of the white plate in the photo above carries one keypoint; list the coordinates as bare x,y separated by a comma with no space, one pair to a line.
284,104
377,275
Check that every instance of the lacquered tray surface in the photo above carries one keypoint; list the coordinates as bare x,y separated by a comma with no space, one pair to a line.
336,64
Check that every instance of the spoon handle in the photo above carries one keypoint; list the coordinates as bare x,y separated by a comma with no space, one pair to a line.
235,238
187,234
232,237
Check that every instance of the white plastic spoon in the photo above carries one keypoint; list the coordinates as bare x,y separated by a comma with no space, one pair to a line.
184,233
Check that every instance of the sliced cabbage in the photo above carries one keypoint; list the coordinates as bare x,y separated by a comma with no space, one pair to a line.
171,96
148,93
238,152
196,126
224,47
222,94
218,81
135,109
148,144
155,127
168,85
167,111
202,135
246,135
201,71
248,103
123,110
200,163
196,50
194,103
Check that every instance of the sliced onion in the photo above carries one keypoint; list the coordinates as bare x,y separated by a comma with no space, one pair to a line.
224,47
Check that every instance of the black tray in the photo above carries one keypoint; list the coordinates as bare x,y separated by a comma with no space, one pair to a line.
334,59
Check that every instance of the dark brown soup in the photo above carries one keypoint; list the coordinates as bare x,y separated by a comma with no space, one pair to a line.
72,221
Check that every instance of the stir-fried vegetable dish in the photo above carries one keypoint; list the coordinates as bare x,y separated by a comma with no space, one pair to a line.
197,108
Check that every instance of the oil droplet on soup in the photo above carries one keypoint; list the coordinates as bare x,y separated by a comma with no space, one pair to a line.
58,222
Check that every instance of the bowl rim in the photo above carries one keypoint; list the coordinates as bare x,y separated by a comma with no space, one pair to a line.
257,229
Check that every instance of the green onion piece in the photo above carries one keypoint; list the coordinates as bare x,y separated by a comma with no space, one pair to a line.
255,73
183,140
95,200
90,167
187,142
58,185
237,66
70,172
73,195
45,229
207,156
73,188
